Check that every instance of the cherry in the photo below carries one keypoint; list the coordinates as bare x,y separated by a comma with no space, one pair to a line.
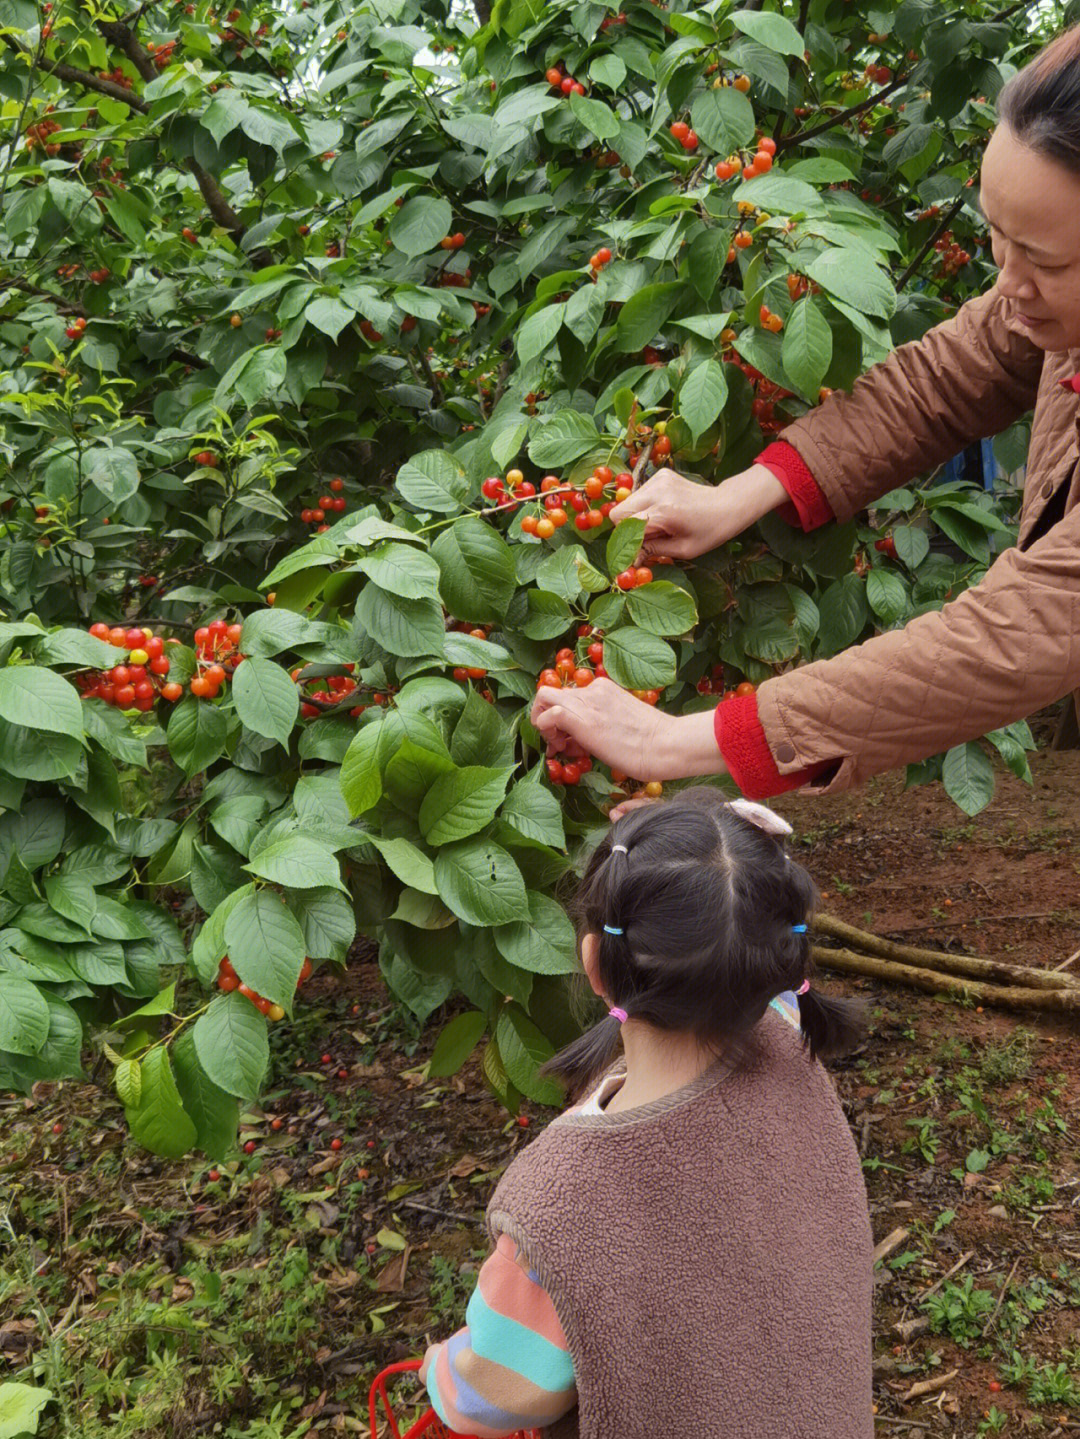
327,1059
214,1176
626,580
125,696
201,688
679,130
249,1147
554,77
335,1143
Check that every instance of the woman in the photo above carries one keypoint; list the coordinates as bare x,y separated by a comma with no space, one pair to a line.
1003,649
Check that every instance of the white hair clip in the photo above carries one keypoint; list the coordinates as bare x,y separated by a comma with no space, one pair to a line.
760,815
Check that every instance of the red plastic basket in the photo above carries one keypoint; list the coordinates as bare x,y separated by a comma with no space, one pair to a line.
429,1423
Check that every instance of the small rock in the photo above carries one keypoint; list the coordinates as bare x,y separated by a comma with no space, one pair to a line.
998,1211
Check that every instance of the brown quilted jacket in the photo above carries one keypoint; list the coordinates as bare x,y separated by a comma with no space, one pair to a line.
1005,648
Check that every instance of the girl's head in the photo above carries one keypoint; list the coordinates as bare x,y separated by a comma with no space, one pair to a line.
1030,193
704,906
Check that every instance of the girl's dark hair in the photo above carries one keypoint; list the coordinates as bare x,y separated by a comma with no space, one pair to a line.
706,902
1041,104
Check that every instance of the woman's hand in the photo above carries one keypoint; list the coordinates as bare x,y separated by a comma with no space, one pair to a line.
613,726
684,518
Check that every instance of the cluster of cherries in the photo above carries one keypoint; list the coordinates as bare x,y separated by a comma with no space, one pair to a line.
228,980
216,647
769,321
682,132
556,495
75,329
329,692
334,503
760,164
953,256
117,77
601,258
452,242
39,135
573,670
881,74
609,20
138,681
713,684
162,55
558,80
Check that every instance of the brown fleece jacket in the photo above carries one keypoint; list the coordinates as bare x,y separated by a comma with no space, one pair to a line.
709,1255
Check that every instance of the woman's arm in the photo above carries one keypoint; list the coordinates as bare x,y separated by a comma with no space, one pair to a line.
510,1367
1002,650
965,379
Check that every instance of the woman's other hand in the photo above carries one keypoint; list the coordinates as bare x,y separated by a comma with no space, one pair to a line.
685,518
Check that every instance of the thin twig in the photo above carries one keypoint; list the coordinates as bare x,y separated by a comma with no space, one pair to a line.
964,1259
1001,1298
931,240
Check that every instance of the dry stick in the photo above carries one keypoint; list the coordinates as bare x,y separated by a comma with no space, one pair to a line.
1066,963
646,454
1001,1299
929,1386
931,982
990,970
889,1243
964,1259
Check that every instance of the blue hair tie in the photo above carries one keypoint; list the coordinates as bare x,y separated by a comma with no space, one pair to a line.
612,929
799,928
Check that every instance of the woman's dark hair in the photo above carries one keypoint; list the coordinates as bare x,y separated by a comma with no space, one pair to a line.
1041,104
705,902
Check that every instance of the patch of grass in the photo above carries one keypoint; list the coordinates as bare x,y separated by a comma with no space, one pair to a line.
1007,1062
959,1310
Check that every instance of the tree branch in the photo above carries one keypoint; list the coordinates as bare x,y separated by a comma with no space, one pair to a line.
931,240
844,115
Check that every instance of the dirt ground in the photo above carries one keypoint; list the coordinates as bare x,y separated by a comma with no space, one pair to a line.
967,1122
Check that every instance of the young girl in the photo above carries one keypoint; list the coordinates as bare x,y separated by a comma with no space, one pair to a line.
687,1252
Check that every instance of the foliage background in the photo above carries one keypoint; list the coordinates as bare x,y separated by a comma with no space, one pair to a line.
245,208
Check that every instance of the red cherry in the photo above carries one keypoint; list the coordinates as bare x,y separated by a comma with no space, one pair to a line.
335,1143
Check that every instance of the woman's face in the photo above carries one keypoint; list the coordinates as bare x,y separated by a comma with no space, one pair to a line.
1032,205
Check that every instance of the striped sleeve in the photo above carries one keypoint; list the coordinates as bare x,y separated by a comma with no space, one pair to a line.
510,1367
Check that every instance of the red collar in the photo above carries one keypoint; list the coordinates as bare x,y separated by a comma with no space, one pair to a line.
1072,383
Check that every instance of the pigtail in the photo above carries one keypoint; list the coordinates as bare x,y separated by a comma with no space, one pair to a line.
831,1026
586,1059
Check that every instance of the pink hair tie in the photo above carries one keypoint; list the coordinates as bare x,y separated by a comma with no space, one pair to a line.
620,1014
804,987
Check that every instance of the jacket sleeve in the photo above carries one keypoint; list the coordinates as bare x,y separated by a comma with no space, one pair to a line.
967,378
1002,650
510,1367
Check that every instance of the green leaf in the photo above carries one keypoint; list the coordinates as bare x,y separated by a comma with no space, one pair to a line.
75,202
405,570
209,947
481,734
412,771
420,224
461,802
545,944
24,1015
597,117
702,396
74,647
73,897
298,862
361,776
768,28
637,660
853,277
562,439
402,627
534,811
912,545
38,699
326,918
411,865
480,883
456,1042
433,480
843,613
328,315
197,733
807,347
524,1049
886,596
968,777
723,120
623,544
646,312
547,615
539,331
213,1111
113,471
158,1121
661,608
20,1409
266,699
265,944
476,566
232,1045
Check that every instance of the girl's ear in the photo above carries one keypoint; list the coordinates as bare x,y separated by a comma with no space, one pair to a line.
590,962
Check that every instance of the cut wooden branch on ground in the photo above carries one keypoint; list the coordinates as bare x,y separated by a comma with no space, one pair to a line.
929,1386
991,970
1062,1000
889,1243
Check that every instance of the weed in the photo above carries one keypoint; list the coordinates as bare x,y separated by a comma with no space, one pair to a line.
994,1421
1004,1063
959,1310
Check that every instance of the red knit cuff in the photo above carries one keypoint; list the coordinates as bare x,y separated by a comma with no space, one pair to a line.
809,507
746,751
